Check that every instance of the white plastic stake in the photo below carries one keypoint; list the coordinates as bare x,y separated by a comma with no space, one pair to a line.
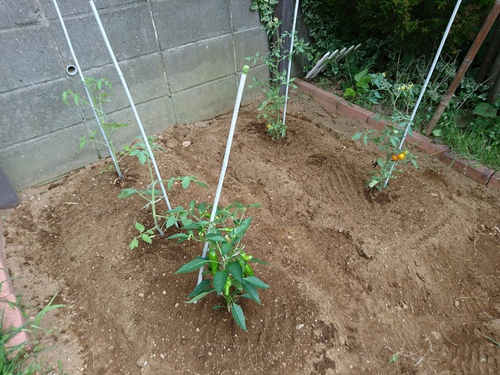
424,87
91,102
236,109
292,37
318,64
132,104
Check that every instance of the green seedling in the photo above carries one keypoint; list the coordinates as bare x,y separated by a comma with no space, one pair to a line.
100,90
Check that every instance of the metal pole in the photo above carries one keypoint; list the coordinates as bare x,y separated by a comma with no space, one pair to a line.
290,58
424,87
132,104
106,141
243,78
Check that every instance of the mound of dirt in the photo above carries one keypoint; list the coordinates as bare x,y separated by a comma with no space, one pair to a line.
405,281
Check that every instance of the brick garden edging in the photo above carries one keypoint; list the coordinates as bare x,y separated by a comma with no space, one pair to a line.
12,316
334,104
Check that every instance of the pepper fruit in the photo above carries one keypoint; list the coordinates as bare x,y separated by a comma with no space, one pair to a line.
248,270
227,285
214,261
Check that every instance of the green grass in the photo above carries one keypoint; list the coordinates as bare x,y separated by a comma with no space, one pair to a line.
18,360
474,142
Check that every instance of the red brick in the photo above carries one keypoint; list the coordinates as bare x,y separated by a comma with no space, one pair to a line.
377,124
433,149
305,87
416,138
472,169
352,110
495,181
12,316
327,100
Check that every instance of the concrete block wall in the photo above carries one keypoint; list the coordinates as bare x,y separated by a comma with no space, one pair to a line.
180,58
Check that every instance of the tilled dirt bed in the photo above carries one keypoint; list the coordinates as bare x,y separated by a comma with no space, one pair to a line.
401,282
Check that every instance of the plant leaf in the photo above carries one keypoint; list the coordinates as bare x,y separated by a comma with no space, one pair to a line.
193,265
238,316
180,236
220,279
133,244
186,180
127,193
251,291
256,282
199,296
235,270
204,286
139,227
171,221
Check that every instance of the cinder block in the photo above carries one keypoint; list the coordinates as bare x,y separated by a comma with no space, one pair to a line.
33,111
75,7
144,76
130,32
185,21
199,62
253,94
18,12
353,110
155,115
494,182
28,55
247,43
242,16
470,168
47,157
205,101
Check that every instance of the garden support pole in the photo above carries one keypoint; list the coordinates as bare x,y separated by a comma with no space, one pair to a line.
424,86
488,24
236,109
132,105
70,45
290,57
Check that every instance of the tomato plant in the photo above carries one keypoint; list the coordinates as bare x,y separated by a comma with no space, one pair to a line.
229,272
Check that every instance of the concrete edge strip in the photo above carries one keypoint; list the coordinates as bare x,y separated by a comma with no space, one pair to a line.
335,104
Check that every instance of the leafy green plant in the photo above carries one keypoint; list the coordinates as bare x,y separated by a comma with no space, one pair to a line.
100,90
362,84
265,9
18,359
390,139
270,109
229,273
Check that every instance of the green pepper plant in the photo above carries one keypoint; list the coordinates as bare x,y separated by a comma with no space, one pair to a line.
230,273
389,141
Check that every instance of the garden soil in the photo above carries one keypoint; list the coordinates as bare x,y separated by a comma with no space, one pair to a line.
406,281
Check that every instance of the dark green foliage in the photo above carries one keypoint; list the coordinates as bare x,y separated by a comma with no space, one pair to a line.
415,26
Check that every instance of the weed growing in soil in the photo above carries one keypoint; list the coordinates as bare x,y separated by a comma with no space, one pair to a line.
21,359
99,90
